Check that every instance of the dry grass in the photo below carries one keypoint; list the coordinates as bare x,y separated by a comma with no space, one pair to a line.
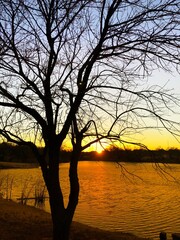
19,222
23,222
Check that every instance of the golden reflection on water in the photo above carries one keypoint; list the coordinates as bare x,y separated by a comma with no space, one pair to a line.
141,199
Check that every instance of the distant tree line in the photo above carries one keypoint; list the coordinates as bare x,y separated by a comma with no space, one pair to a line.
24,154
16,153
140,155
13,153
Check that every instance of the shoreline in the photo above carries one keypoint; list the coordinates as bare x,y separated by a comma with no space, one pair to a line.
20,165
19,221
17,165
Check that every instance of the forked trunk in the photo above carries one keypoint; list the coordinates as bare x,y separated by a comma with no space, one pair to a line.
61,216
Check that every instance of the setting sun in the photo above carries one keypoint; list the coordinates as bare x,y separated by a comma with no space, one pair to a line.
99,151
99,148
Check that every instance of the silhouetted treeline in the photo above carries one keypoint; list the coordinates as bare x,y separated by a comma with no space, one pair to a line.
12,153
140,155
16,153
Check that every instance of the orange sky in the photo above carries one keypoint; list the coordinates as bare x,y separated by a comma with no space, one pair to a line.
153,139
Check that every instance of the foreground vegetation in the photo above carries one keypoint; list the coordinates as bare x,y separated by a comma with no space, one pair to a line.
28,223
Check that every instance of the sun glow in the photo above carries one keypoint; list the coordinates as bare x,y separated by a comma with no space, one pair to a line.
99,151
99,148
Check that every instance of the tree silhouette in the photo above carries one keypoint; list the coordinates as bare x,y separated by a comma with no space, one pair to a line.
74,69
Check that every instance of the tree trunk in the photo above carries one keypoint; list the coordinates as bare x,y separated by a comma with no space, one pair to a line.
61,222
61,217
74,184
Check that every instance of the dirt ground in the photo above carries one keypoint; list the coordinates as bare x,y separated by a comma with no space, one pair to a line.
20,222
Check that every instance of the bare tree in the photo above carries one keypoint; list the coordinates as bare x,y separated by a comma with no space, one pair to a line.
74,69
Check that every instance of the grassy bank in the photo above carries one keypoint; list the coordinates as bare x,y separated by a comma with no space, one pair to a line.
13,165
19,222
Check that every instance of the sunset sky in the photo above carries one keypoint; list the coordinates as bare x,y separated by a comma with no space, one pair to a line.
158,138
161,138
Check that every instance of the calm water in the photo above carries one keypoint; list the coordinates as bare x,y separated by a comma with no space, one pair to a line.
137,198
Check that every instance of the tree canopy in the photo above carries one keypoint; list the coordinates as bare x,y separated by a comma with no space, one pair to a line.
79,65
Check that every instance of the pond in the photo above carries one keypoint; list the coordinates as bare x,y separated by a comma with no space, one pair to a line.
141,198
